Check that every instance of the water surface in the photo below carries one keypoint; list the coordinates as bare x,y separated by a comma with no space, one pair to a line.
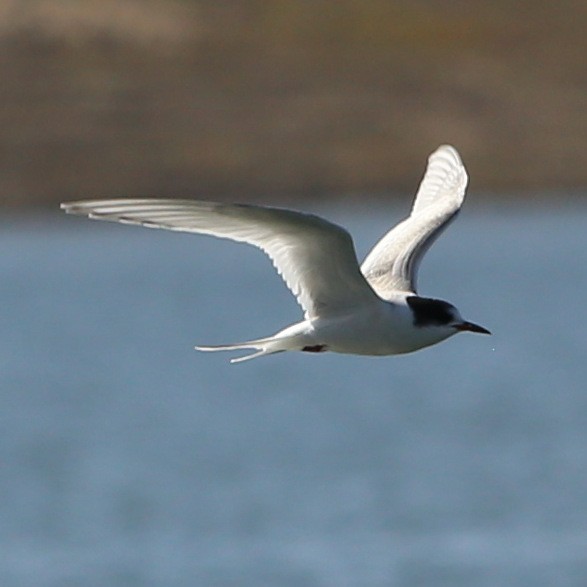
129,459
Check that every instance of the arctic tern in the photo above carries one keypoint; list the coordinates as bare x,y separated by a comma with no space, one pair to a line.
371,309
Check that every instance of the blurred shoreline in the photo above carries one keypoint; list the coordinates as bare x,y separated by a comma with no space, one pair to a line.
276,101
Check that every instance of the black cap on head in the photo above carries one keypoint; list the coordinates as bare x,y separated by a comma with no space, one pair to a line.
430,312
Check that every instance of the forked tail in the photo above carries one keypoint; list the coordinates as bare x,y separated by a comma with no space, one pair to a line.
263,346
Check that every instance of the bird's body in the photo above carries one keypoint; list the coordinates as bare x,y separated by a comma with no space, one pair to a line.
383,328
367,310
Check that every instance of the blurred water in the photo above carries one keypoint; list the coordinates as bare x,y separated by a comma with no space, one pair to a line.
128,459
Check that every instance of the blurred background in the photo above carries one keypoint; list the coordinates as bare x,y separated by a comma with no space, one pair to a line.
269,99
128,459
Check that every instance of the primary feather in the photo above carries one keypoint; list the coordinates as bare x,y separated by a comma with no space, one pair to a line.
316,258
392,265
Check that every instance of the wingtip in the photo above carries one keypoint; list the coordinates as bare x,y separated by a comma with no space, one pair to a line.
72,207
447,150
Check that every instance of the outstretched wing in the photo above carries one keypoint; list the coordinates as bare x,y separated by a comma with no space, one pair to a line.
392,264
316,258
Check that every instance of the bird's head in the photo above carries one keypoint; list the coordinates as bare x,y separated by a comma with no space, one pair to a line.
433,313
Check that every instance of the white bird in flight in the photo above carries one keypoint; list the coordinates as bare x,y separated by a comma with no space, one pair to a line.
372,309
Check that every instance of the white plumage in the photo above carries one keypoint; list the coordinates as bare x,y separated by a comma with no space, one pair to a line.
347,308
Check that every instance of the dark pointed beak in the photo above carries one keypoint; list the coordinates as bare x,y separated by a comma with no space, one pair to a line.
470,327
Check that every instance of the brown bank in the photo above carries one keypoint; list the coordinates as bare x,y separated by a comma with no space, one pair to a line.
268,99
